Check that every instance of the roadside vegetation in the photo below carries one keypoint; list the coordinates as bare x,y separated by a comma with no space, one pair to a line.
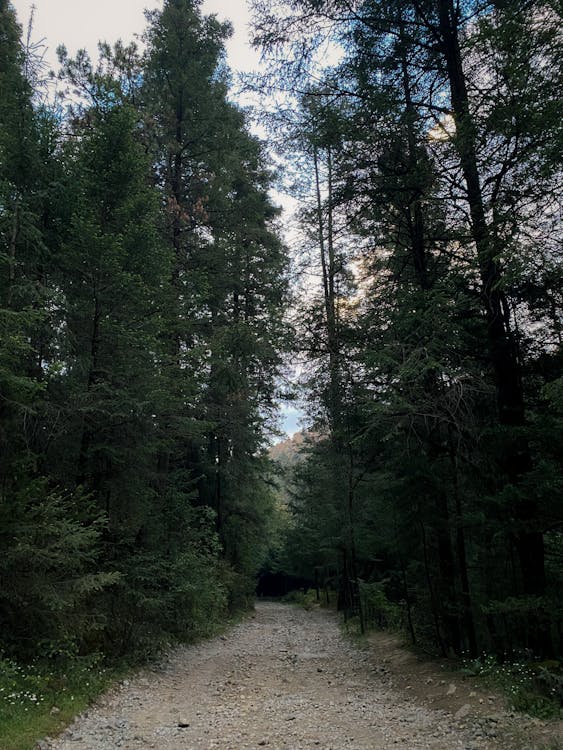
41,698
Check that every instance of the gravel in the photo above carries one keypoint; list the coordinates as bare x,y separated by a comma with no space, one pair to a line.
285,678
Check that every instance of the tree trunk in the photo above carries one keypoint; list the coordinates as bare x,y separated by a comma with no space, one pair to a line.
503,348
416,218
431,592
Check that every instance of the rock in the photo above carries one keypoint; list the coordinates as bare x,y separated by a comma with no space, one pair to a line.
329,690
463,711
55,710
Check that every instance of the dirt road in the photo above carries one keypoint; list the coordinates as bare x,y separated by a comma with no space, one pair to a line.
284,679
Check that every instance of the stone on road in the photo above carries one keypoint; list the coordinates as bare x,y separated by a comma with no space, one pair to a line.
286,678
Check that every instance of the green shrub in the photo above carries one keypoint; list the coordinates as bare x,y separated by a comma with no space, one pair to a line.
49,576
535,688
378,611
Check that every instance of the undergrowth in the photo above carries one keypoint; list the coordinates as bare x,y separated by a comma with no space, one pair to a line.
41,698
535,688
306,599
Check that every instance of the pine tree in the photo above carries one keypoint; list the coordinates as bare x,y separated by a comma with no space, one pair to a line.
441,159
227,281
49,536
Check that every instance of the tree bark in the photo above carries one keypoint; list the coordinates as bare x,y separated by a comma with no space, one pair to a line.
503,348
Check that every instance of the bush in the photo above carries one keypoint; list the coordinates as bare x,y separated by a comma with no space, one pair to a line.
49,577
378,611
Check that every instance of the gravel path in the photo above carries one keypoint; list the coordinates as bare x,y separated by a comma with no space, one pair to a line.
284,679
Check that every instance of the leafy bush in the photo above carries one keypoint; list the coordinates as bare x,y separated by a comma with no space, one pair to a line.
159,601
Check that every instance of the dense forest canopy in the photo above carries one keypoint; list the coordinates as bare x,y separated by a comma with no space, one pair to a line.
142,290
146,310
428,155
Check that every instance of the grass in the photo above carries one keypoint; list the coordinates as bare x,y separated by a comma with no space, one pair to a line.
534,688
42,699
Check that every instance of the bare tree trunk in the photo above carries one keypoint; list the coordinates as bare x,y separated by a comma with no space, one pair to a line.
343,495
468,623
433,604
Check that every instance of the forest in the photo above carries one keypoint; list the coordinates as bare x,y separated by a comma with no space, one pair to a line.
428,158
142,294
153,303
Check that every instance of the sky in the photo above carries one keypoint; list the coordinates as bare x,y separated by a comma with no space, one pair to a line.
83,23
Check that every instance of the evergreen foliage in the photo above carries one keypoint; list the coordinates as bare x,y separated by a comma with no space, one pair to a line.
431,144
142,291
